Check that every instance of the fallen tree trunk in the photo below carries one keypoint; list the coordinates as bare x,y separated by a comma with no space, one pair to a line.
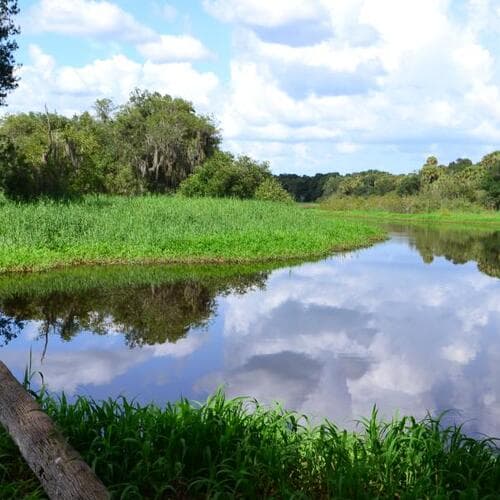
62,472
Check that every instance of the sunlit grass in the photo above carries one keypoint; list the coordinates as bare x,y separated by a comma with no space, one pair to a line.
421,208
239,448
487,221
167,229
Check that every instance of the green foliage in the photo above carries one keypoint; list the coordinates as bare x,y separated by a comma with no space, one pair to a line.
158,144
271,190
16,479
149,144
459,164
18,180
421,203
431,161
331,185
430,172
8,29
491,183
224,176
40,156
460,186
409,185
305,188
488,160
167,229
163,139
241,449
370,182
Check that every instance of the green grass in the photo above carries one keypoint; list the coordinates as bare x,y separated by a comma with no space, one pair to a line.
106,230
485,219
238,448
418,208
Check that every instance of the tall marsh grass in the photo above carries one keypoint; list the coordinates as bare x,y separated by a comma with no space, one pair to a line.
239,448
167,229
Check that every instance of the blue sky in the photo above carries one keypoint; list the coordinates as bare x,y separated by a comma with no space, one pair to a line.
309,85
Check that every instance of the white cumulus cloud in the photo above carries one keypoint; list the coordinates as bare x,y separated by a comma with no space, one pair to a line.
263,13
69,89
169,48
387,75
87,18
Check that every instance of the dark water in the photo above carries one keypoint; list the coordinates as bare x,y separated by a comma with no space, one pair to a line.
411,325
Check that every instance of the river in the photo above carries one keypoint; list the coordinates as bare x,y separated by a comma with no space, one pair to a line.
411,325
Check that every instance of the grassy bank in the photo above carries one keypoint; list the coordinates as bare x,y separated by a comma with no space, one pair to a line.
377,208
104,230
418,208
241,449
485,219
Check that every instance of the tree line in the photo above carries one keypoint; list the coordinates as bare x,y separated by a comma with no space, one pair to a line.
459,180
159,144
152,144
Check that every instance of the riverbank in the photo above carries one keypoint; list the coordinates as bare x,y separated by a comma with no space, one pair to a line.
163,229
238,448
486,219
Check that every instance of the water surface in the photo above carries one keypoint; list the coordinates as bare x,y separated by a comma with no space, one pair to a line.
411,325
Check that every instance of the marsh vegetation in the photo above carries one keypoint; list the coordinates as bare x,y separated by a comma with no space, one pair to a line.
110,230
239,448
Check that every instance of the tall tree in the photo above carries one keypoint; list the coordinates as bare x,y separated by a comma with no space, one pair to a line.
430,172
8,29
164,139
491,184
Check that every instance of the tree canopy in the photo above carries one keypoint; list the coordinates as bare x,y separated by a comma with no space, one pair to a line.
150,144
163,139
224,175
8,45
159,144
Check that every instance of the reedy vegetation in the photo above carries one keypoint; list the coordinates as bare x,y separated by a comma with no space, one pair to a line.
239,448
372,211
48,234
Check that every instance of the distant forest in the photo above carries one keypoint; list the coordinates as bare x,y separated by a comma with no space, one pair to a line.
459,180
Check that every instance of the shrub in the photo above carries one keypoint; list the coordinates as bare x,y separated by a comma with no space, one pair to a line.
18,181
410,184
491,184
271,190
224,176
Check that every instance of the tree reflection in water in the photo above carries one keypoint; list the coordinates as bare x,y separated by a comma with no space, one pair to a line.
457,245
156,305
145,313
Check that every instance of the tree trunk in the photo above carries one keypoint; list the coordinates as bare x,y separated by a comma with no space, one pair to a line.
60,469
